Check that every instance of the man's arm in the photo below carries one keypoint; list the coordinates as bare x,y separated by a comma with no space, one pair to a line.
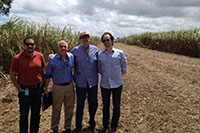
47,76
14,81
47,80
124,63
43,75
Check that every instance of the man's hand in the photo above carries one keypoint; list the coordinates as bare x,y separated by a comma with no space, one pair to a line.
46,91
14,81
124,72
20,90
49,57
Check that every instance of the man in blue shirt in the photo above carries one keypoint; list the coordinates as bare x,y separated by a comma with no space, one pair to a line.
60,70
86,79
112,65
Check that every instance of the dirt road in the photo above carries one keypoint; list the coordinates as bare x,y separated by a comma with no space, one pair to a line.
161,95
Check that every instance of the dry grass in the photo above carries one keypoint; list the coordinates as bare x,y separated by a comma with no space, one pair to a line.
161,95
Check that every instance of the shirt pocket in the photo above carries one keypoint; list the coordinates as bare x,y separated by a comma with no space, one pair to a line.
80,62
68,67
58,67
102,62
115,61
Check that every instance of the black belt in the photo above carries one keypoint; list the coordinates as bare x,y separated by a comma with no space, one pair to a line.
64,84
29,87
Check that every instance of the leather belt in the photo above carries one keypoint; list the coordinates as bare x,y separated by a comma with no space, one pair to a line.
64,84
29,87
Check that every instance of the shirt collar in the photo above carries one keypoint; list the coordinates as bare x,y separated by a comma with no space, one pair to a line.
26,55
113,50
84,48
59,57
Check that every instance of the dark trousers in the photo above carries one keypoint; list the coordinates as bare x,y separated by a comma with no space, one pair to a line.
33,101
91,94
116,97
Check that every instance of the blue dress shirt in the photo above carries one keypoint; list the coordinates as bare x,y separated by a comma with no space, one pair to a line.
60,71
111,66
85,66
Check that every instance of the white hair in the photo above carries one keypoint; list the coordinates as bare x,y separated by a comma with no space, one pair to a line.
61,42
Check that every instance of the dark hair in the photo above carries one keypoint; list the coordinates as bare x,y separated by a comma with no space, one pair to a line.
111,36
28,39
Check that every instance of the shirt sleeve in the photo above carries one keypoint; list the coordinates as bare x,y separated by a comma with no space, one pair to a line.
43,62
124,62
99,63
73,51
72,60
14,66
49,70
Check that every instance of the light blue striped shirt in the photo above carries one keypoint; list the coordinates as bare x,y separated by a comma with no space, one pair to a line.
85,66
60,71
111,66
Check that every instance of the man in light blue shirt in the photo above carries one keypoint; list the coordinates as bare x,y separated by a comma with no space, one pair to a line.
112,65
59,69
86,79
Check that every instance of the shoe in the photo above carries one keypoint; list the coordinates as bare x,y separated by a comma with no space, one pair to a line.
114,130
106,129
77,130
68,130
94,130
55,131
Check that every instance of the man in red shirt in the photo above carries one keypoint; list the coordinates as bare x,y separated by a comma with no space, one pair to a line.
27,74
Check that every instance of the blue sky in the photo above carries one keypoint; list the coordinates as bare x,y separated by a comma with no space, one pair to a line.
120,17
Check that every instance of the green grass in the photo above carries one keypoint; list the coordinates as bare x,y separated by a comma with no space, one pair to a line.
46,37
185,42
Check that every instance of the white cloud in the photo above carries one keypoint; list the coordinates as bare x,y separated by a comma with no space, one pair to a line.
120,17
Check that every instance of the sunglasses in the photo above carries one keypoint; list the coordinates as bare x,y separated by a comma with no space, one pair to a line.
84,36
28,44
106,40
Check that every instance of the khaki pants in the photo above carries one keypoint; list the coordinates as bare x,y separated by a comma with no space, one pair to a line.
62,94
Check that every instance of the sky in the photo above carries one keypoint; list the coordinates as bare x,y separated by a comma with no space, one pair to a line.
120,17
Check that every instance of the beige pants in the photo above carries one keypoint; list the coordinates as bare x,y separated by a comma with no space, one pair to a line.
62,94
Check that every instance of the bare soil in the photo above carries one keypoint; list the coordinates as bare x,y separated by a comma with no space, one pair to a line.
161,94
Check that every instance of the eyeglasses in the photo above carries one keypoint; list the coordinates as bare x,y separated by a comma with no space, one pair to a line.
28,44
63,46
106,40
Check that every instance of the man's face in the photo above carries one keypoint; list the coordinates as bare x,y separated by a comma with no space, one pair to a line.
29,46
63,48
85,40
107,41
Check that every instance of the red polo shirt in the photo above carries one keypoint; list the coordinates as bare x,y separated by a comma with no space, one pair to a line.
29,69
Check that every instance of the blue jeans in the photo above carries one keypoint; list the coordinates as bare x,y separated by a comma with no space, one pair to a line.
91,94
116,96
33,101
